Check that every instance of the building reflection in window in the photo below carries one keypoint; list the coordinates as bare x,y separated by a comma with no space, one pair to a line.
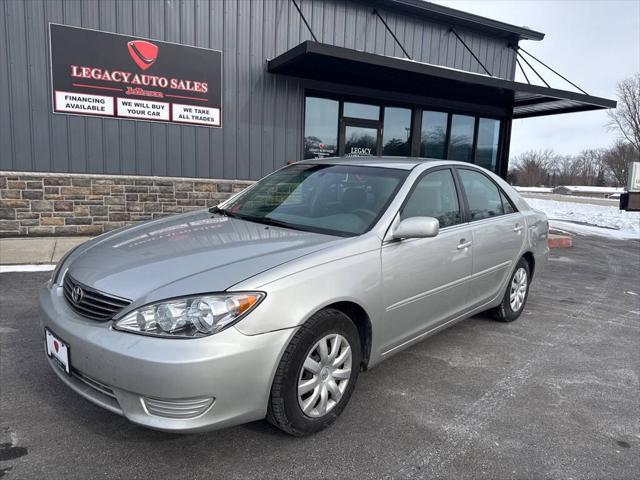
433,139
396,138
361,110
461,138
487,146
320,127
360,141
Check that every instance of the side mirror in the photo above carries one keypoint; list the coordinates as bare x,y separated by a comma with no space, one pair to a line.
417,227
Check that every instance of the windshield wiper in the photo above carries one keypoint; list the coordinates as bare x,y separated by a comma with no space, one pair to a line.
249,218
220,211
280,223
268,221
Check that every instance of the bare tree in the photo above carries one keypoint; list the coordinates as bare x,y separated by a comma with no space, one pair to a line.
564,170
626,118
533,168
588,165
617,159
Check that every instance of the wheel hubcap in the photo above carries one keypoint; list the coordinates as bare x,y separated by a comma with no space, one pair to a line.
518,289
324,375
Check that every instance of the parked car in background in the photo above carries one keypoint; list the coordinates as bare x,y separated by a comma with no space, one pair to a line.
273,302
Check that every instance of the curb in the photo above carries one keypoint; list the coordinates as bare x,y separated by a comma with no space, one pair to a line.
559,241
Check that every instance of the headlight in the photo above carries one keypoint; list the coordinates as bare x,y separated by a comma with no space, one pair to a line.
190,317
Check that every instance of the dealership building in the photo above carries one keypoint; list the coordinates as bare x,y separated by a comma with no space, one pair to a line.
115,112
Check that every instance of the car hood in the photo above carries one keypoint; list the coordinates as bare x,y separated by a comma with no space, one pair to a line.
197,252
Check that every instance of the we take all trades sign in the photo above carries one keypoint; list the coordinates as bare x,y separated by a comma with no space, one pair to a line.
118,76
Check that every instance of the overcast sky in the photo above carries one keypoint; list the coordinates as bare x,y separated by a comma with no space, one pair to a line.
594,43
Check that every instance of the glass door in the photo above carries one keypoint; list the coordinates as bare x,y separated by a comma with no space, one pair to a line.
360,129
360,140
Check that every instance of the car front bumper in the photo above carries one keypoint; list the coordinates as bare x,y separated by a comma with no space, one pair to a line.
178,385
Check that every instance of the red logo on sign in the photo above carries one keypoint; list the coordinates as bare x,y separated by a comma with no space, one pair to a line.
56,345
143,53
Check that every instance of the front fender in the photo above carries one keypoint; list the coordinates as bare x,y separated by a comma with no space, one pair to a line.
292,299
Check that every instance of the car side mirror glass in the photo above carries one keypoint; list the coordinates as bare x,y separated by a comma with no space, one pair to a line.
417,227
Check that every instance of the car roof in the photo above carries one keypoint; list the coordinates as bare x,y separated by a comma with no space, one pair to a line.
409,163
401,163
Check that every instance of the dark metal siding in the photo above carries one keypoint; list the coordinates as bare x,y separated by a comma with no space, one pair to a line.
262,113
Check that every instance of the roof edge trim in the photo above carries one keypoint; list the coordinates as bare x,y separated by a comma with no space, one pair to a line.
458,17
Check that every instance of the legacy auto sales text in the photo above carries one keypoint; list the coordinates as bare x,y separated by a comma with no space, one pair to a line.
120,76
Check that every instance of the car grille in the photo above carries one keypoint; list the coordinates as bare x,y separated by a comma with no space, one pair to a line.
92,304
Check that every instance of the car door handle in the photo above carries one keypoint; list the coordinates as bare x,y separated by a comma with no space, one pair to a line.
518,228
463,245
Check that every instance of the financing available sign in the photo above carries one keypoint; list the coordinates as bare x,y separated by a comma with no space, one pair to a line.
112,75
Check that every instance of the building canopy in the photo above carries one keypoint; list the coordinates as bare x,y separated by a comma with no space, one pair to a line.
319,61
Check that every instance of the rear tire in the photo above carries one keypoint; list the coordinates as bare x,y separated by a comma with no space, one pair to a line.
316,375
516,294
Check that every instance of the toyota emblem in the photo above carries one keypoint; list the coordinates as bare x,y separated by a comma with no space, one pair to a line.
76,294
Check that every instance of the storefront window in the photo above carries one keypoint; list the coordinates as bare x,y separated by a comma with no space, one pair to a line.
433,140
396,138
320,127
461,138
487,146
361,110
360,141
338,126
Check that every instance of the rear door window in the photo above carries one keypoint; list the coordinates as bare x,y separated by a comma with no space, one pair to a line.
483,196
507,206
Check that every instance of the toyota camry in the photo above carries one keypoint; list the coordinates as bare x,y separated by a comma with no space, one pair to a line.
272,303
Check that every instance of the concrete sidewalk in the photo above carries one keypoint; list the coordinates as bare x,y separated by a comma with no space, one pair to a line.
36,251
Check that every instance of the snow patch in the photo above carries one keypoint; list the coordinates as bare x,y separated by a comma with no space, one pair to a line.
26,268
534,189
588,219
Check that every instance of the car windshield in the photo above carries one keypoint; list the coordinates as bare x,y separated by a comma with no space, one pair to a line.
333,199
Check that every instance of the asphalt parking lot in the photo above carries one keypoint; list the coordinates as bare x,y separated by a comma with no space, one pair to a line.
554,395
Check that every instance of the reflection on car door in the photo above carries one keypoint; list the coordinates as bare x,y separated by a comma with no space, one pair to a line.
425,279
497,235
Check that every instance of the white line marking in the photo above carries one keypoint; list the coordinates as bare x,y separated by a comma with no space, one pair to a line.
26,268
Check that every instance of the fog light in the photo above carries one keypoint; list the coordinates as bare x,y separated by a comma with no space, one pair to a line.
185,408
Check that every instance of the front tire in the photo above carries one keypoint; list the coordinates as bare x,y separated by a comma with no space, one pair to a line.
316,375
515,297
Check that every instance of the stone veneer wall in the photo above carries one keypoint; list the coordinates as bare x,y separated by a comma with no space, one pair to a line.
43,204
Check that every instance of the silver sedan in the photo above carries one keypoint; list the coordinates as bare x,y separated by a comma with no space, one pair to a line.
272,303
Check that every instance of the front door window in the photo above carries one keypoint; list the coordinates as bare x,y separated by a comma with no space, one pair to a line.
434,196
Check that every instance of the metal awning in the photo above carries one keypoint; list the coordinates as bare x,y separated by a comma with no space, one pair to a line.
319,61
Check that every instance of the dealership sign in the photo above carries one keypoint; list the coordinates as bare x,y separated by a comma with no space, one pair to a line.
112,75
